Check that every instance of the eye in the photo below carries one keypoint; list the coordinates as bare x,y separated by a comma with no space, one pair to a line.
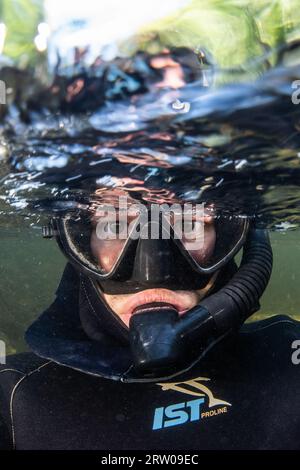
189,226
193,227
116,227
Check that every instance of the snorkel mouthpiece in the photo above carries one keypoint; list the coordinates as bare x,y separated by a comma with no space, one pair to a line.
153,339
160,339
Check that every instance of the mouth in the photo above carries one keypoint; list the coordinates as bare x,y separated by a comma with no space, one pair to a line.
155,299
152,300
154,307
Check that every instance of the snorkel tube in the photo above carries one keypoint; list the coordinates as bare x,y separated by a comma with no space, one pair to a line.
159,340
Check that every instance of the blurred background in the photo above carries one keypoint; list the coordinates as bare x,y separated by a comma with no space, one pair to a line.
234,31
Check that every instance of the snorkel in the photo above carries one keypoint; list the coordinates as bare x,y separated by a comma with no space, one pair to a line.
159,340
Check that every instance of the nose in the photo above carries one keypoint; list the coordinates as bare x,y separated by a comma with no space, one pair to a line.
154,259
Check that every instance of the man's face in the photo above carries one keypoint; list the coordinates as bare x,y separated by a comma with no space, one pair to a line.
107,251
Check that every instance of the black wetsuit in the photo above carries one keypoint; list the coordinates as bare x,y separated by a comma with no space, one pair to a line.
242,396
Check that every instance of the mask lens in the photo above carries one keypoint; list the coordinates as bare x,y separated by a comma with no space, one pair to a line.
99,237
207,238
222,238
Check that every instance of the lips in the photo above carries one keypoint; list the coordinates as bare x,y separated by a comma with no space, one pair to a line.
157,297
153,307
126,305
154,300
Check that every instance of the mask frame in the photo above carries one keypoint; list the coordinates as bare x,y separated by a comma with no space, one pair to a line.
58,228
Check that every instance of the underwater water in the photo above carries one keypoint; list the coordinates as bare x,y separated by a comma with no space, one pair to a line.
31,276
227,136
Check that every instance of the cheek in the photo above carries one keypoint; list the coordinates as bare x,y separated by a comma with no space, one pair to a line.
106,252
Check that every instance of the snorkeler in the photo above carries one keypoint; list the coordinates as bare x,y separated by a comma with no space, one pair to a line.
144,346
